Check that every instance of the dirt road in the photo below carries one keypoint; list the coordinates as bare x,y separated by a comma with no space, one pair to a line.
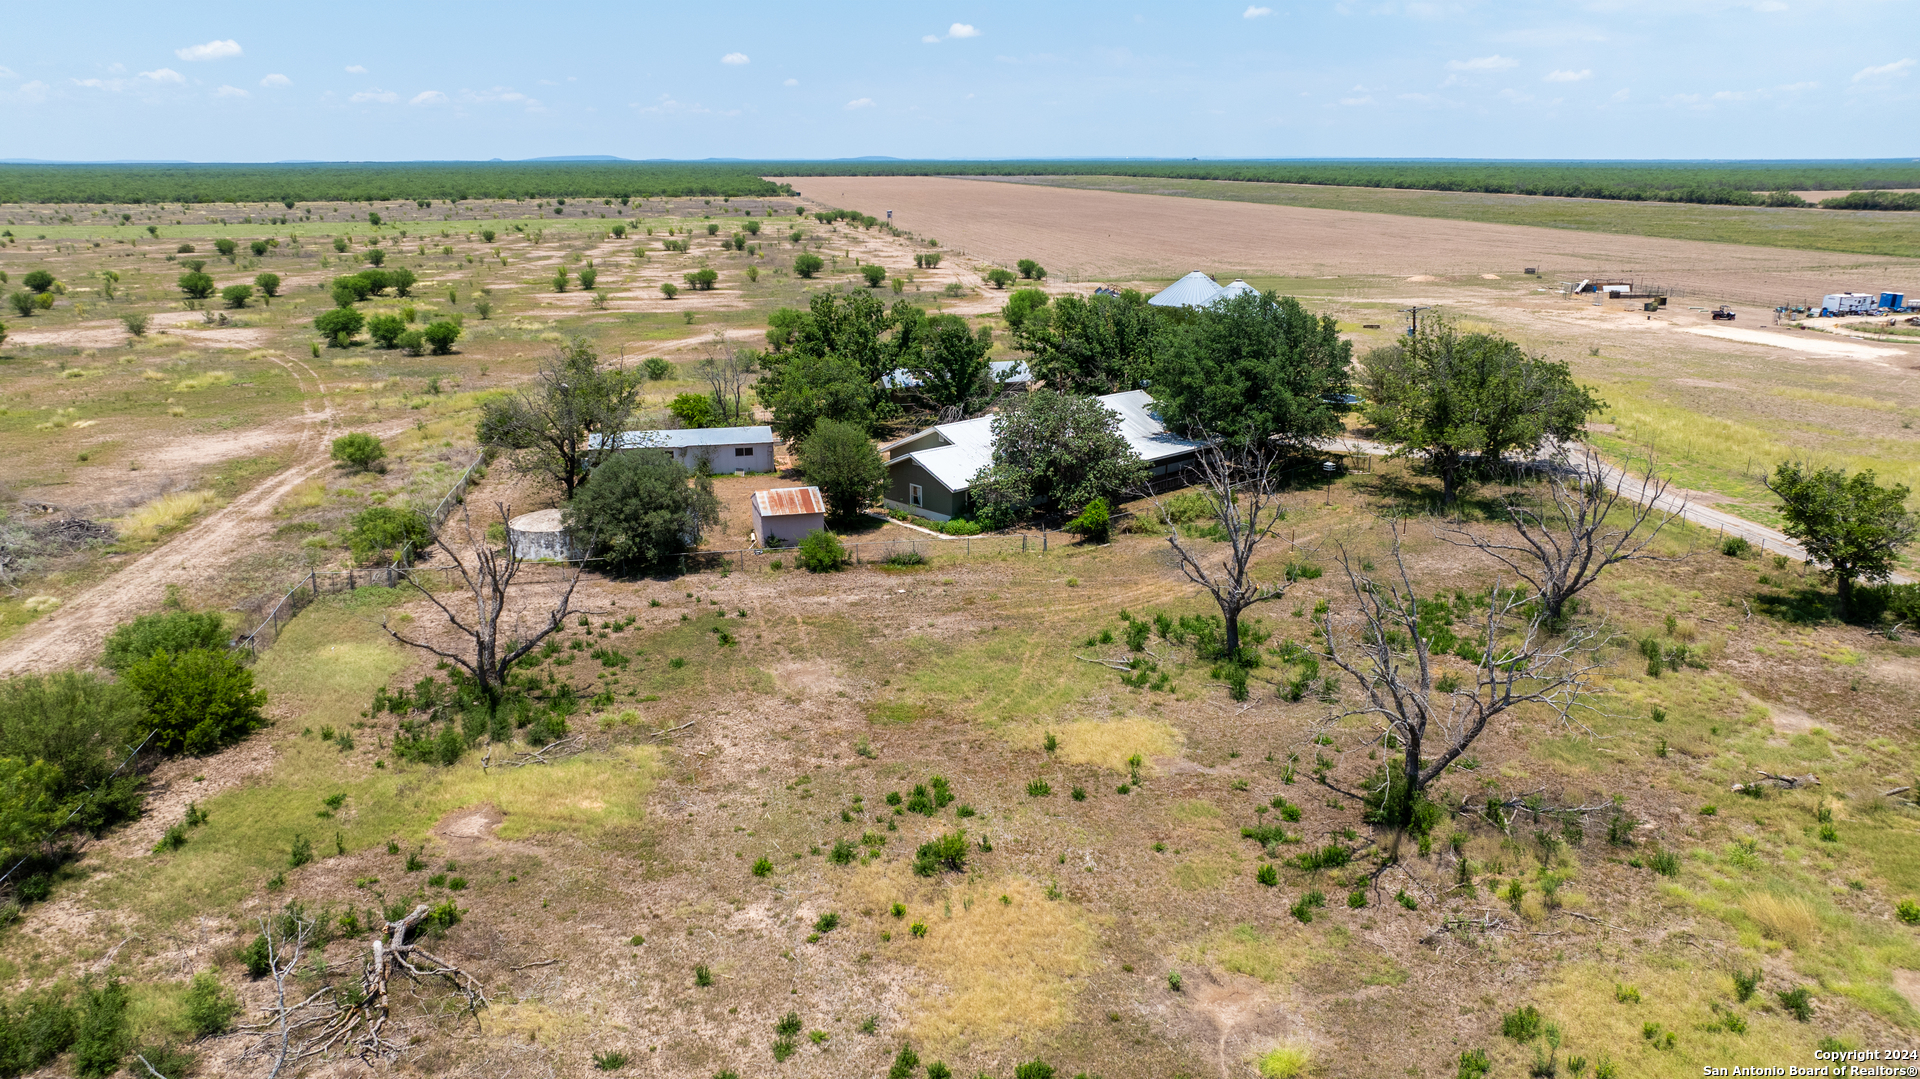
72,635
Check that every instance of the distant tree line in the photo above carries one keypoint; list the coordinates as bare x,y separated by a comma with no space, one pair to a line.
379,182
1729,183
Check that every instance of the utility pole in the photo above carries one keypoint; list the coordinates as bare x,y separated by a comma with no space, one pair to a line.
1414,313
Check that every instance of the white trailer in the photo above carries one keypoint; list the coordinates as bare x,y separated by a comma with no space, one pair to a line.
1848,303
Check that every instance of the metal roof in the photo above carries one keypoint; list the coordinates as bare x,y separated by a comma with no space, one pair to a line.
789,501
1229,291
1194,290
1007,372
967,446
689,438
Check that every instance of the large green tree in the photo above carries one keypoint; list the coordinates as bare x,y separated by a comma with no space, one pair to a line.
856,328
1251,369
951,364
1462,401
1056,449
1849,524
571,417
838,459
813,389
640,508
1091,344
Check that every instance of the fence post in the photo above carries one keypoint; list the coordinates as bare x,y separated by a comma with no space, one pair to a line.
1043,541
314,580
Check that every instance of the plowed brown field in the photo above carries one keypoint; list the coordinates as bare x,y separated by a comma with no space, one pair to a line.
1120,236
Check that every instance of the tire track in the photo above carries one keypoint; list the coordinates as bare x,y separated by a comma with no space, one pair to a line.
72,635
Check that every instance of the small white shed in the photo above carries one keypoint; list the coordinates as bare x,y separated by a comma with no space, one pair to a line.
783,516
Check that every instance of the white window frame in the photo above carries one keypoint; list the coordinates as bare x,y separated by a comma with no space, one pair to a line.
916,497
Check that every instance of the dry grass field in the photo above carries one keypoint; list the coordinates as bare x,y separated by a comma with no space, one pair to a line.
725,848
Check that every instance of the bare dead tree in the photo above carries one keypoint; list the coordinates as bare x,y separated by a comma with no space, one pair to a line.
488,574
727,371
1436,716
1240,489
1565,542
352,1019
287,935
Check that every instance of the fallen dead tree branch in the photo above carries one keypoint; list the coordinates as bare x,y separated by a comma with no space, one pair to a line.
353,1018
572,743
671,730
1786,782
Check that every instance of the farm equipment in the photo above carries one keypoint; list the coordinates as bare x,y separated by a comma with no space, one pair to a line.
1723,313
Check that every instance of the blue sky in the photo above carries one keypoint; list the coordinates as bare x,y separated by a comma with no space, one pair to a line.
1331,78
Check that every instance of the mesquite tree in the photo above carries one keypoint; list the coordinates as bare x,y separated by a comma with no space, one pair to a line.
1240,490
1431,708
571,418
1565,542
488,575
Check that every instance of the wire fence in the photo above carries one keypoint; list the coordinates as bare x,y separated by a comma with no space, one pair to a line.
318,583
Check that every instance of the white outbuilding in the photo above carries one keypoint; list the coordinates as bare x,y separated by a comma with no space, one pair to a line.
725,449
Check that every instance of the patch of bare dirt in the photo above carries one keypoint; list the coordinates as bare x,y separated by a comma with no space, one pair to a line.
85,335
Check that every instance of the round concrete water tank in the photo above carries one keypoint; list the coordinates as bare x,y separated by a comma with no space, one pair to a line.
538,535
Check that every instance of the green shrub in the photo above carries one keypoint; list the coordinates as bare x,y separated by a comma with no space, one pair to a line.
905,1063
379,531
1267,875
441,335
210,1006
35,1027
658,368
1095,525
236,296
1331,856
1735,547
256,957
1797,1003
101,1036
789,1024
822,552
959,527
762,867
1039,788
1908,911
948,852
1523,1024
1665,862
412,342
339,325
170,631
165,1060
609,1061
1745,982
642,509
703,975
198,701
1474,1064
1040,1069
358,450
843,853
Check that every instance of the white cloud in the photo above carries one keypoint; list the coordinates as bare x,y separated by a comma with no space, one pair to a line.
384,97
1896,70
860,103
735,58
1770,5
501,94
1622,94
961,29
229,91
1496,62
7,72
1368,100
34,91
791,82
276,81
428,97
1569,76
1256,12
165,74
114,85
356,69
212,50
930,39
